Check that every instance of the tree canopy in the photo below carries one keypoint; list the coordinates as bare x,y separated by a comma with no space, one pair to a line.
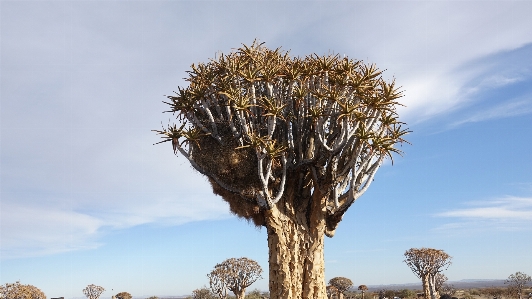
234,275
123,295
93,291
20,291
517,282
252,117
341,283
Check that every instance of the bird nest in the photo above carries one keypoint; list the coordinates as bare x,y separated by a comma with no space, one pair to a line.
234,166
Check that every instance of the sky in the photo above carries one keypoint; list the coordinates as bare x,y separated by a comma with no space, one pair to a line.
86,198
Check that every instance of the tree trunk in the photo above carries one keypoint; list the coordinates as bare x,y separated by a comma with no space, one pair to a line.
295,242
426,286
240,294
432,285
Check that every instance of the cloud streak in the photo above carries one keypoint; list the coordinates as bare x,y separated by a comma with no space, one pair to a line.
514,108
507,213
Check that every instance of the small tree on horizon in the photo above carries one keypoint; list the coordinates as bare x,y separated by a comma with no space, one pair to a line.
93,291
363,288
290,144
448,289
426,263
342,284
203,293
331,291
439,281
235,275
123,295
517,282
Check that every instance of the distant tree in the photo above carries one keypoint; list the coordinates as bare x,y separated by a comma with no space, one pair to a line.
153,297
203,293
390,294
517,282
93,291
20,291
290,144
493,292
235,275
331,291
448,289
363,288
342,284
406,293
123,295
217,282
426,263
256,294
439,281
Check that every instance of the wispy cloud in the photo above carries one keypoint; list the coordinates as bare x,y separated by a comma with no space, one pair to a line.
36,229
509,109
32,230
507,213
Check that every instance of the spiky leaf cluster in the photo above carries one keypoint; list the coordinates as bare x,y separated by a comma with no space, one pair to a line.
254,117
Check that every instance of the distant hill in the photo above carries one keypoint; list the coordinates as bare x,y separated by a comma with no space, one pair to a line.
460,284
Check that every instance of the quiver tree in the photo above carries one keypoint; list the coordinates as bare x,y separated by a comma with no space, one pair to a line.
217,282
123,295
93,291
517,282
20,291
448,289
439,280
202,293
342,284
235,275
289,143
363,288
331,291
427,263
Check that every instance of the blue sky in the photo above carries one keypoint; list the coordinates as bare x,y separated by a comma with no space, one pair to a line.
86,198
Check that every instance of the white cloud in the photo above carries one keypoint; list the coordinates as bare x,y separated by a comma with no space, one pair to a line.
30,229
507,213
508,109
61,225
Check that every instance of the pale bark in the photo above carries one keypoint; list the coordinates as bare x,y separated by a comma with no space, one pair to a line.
429,287
426,286
240,294
296,260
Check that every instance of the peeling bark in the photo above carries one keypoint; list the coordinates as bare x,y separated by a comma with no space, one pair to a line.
296,260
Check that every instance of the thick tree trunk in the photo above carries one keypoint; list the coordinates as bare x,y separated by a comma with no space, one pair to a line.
296,261
432,285
426,286
240,294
